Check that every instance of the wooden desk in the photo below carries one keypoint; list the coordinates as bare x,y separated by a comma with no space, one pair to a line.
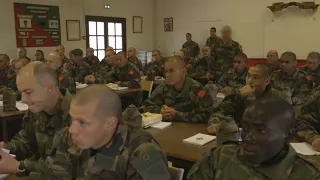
13,177
7,116
128,92
171,138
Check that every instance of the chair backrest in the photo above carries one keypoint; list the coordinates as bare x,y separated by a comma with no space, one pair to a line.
147,86
176,173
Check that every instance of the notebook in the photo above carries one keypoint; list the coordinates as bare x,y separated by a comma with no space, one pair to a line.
81,86
161,125
199,139
304,149
149,119
116,87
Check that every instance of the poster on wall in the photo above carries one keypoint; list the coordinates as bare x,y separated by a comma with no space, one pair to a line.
37,25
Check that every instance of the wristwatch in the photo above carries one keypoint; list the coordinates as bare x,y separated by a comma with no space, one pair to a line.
21,167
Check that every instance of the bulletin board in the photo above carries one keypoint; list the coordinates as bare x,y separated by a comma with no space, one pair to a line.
37,25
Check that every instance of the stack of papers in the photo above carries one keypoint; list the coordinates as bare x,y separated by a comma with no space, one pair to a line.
19,105
80,86
149,119
116,87
161,125
304,149
200,139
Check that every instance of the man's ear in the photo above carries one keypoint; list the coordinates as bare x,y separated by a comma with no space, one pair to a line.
290,135
111,123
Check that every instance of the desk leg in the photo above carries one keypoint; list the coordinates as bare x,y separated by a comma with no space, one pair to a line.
4,130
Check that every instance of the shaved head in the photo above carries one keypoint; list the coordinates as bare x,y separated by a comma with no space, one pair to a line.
20,63
131,52
54,60
178,60
273,52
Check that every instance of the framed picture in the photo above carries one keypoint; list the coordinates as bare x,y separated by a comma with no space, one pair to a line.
168,24
137,24
73,30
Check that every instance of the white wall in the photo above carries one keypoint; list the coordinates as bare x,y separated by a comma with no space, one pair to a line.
76,10
255,27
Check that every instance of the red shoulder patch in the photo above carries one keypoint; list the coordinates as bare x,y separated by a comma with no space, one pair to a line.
130,72
201,94
308,78
9,76
60,78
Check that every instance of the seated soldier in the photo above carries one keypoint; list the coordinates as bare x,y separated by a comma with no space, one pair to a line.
40,56
132,57
265,152
308,123
103,75
236,77
92,60
64,77
288,80
12,77
48,113
5,74
103,144
273,60
257,86
155,67
183,53
182,98
79,69
204,65
66,63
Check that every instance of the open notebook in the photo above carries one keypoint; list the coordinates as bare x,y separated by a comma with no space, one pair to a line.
304,149
199,139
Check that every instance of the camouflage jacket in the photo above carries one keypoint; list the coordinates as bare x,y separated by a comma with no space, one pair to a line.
105,65
274,67
4,77
192,48
232,79
154,68
192,103
33,143
66,80
203,66
128,75
308,122
133,155
135,61
80,71
212,40
234,105
313,77
94,63
294,85
220,162
224,54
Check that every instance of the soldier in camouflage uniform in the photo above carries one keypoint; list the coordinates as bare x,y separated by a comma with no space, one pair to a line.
213,39
48,113
289,80
265,154
79,69
22,53
273,60
4,71
155,67
183,53
312,69
132,57
64,77
225,50
257,86
236,77
40,56
204,65
92,60
66,63
191,47
308,123
182,98
108,147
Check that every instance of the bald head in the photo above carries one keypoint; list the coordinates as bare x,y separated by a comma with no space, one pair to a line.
54,60
109,48
22,52
121,59
20,63
178,60
60,50
131,52
106,101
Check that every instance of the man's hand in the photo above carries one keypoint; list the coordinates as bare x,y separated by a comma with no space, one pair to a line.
168,114
212,129
8,164
2,144
316,144
246,90
89,79
226,90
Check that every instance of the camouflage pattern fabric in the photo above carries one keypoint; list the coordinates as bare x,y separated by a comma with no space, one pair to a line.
192,48
313,77
33,143
224,54
211,41
104,64
4,76
203,66
294,85
128,75
232,80
308,122
133,154
135,61
66,80
274,67
193,103
80,71
220,162
93,62
154,68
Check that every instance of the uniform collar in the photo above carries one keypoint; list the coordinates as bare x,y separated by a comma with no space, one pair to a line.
186,88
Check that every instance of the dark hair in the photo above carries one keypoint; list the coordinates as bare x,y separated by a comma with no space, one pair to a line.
314,55
264,68
289,53
243,56
189,34
213,28
40,51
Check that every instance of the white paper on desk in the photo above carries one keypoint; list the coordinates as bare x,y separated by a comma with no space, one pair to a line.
161,125
80,86
304,149
119,88
200,139
1,103
221,96
5,150
3,176
21,106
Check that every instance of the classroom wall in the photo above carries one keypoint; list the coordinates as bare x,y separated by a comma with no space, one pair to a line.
76,10
255,27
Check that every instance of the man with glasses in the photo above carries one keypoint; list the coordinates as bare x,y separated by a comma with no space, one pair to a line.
181,99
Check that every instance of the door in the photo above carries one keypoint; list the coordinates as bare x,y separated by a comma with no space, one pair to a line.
106,31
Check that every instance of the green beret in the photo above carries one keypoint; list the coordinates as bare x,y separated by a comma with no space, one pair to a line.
77,52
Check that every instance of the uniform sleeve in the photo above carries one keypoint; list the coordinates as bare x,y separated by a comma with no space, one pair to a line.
204,169
227,107
155,102
202,111
308,122
133,79
24,143
223,81
82,73
208,42
68,83
148,162
300,91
